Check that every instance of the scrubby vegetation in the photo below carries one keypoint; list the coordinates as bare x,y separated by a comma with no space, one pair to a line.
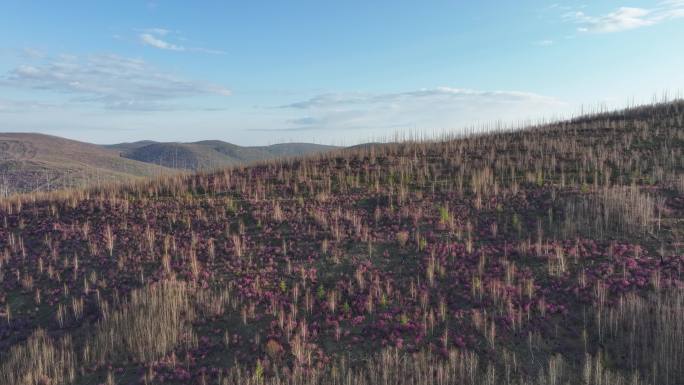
549,255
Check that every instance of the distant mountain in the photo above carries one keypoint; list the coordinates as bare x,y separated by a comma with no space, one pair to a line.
210,154
37,162
129,146
296,149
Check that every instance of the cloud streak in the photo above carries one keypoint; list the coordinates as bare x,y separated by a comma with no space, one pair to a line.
152,41
160,38
429,108
111,81
439,94
627,18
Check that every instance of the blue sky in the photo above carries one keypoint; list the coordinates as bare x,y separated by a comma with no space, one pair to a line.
262,72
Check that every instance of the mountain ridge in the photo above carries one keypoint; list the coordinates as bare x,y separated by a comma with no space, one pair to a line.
210,154
32,162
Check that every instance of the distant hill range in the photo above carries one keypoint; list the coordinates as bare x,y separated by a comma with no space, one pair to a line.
36,162
209,154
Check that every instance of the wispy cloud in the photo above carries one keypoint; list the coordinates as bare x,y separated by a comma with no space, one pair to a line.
157,31
112,81
544,43
164,39
443,94
627,18
430,108
20,106
152,41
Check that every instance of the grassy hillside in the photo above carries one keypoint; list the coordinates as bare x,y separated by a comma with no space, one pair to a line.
211,154
551,255
36,162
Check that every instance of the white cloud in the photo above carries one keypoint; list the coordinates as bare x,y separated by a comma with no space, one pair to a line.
627,18
149,39
111,81
622,19
544,43
157,31
162,38
424,109
443,94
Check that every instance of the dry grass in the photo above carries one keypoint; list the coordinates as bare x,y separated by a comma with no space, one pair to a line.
559,372
393,367
389,367
610,211
40,361
155,320
647,334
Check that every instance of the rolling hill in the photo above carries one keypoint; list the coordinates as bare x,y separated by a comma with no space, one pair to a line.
545,256
210,154
32,162
37,162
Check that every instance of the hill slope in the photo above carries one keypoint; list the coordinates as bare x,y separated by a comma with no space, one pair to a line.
551,255
211,154
36,162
